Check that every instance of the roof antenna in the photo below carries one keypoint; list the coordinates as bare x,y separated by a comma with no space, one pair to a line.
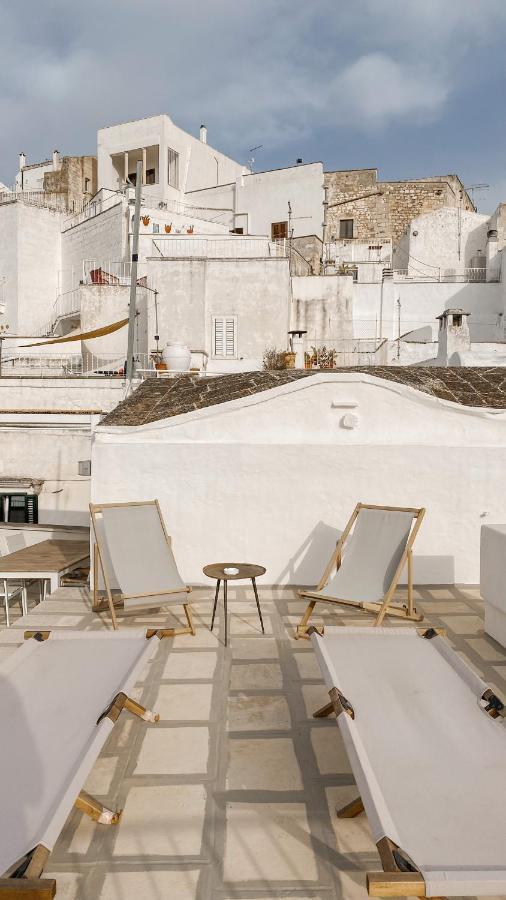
251,151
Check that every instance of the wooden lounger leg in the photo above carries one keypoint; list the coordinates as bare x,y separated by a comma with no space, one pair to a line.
303,624
351,809
395,884
96,810
140,711
189,618
31,888
324,711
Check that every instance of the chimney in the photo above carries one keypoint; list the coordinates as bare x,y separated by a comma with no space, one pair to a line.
22,161
203,134
56,160
454,337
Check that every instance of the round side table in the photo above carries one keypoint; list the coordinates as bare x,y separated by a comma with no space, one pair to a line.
244,571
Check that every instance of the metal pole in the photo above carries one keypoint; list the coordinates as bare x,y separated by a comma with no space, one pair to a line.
130,367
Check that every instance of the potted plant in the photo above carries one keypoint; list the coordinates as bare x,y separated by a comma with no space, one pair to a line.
168,228
189,230
145,220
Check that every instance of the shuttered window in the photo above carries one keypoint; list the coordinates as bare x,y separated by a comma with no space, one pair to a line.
279,231
225,336
19,508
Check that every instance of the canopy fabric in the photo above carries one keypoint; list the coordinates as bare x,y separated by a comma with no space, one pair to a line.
371,556
142,560
52,693
429,763
82,336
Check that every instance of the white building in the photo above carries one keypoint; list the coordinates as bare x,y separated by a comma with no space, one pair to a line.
267,467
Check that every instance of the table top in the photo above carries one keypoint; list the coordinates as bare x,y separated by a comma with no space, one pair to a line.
246,570
46,556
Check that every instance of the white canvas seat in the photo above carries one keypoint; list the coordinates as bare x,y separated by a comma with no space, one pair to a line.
368,561
133,556
426,740
60,694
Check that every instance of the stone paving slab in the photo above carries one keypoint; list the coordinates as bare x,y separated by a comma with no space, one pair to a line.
232,795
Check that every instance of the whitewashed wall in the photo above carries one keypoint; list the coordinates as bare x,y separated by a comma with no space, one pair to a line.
322,305
421,303
102,238
200,165
433,240
192,291
30,247
262,198
271,479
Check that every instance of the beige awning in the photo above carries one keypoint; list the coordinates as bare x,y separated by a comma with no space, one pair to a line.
82,336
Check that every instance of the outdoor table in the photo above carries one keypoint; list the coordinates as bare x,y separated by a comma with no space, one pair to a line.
244,570
45,562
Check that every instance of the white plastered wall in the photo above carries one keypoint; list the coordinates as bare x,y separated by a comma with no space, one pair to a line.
271,479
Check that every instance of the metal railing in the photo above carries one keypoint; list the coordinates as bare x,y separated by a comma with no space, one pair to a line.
112,272
54,200
465,275
92,208
66,365
334,353
232,247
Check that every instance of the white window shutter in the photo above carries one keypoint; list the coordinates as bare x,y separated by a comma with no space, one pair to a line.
225,336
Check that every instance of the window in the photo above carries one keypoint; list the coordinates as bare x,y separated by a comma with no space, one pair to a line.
19,508
87,182
237,231
173,168
225,337
346,228
150,176
279,230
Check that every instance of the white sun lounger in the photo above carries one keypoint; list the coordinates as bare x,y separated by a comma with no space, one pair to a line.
60,694
426,740
133,555
369,558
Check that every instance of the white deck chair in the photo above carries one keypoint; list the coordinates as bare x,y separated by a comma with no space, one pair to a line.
13,591
60,694
369,558
133,555
426,741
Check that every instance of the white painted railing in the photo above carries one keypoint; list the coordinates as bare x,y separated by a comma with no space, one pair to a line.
64,365
469,274
45,199
333,353
99,204
232,247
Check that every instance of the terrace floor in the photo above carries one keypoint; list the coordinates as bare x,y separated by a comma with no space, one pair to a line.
233,793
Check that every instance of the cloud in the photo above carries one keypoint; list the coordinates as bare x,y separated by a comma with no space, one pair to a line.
257,72
375,89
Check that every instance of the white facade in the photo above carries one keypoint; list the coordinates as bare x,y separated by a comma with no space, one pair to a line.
445,241
272,478
174,162
255,202
248,296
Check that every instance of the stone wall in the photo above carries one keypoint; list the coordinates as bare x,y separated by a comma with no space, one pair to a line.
310,248
383,209
70,180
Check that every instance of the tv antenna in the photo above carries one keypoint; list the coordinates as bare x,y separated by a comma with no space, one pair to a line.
251,151
471,188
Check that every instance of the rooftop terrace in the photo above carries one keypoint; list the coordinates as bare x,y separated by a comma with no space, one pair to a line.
233,793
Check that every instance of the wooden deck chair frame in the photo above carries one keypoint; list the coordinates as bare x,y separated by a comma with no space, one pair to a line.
114,604
383,607
26,878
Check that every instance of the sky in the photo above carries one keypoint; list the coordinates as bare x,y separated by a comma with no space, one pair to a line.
412,87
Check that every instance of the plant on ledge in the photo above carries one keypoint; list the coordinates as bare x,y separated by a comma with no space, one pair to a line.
274,359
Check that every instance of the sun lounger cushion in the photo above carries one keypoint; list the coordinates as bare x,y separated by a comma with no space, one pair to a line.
141,559
51,694
372,554
429,763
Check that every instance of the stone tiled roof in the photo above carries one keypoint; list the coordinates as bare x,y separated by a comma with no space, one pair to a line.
160,398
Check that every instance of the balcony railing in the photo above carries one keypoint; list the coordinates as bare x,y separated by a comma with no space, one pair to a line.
469,274
231,247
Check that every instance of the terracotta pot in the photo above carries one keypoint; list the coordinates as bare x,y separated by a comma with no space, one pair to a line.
145,220
290,360
161,366
168,229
